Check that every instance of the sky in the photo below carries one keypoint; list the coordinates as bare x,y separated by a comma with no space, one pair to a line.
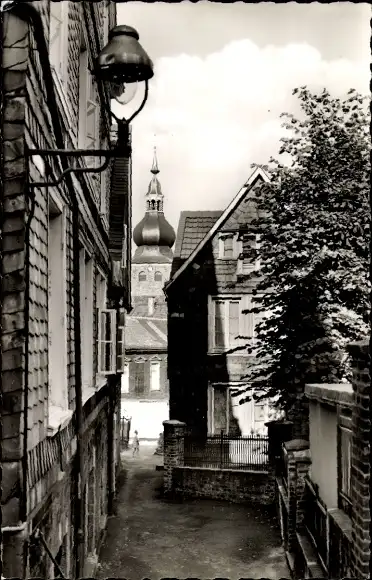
223,74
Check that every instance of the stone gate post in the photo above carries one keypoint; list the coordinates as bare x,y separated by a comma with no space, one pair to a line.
298,461
174,432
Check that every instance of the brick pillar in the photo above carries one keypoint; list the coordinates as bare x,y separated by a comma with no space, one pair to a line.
360,459
278,432
298,457
299,415
173,450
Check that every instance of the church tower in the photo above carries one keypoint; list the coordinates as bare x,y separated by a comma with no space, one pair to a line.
154,238
144,386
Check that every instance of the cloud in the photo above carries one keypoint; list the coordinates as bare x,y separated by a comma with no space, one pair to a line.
214,116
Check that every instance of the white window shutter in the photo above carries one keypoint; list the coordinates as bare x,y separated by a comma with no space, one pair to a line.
154,376
91,122
125,379
210,323
248,318
107,342
124,247
92,132
120,349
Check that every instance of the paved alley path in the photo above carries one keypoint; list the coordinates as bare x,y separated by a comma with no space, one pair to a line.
154,538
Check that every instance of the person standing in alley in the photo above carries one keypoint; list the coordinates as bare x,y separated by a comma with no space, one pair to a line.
135,444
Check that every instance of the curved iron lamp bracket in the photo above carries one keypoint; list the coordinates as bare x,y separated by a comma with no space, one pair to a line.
71,170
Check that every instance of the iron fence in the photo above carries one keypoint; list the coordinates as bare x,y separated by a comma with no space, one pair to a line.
315,521
227,452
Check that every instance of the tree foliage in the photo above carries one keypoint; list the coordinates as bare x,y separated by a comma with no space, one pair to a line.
314,227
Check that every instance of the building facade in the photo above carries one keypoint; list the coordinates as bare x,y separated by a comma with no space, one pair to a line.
207,294
65,268
144,386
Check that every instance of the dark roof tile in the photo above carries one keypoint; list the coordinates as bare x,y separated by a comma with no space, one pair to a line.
192,229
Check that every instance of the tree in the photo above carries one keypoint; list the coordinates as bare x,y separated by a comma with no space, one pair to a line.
314,228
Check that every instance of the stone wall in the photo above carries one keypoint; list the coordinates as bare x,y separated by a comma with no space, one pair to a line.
236,486
337,542
233,485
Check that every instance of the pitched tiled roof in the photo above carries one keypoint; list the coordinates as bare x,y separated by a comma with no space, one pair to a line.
178,266
144,333
192,228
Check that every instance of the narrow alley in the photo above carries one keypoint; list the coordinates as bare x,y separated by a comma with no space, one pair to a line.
156,538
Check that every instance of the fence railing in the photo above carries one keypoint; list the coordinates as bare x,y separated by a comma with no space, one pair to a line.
315,522
227,452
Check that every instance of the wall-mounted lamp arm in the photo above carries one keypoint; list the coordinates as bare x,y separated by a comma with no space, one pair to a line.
72,170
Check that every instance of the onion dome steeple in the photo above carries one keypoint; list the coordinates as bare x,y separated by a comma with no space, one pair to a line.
154,236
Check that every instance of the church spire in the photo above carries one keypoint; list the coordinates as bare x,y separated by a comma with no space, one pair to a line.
155,169
154,196
154,236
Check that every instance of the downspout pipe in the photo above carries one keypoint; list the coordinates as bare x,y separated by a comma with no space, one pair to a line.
27,12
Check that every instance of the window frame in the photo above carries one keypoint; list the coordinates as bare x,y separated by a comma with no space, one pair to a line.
142,276
246,323
135,378
88,98
59,56
61,388
236,245
157,274
245,266
230,386
155,364
101,342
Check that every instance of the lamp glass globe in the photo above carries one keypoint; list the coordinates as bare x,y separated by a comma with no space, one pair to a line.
123,93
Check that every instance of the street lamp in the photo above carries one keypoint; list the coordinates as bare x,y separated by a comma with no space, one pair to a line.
121,65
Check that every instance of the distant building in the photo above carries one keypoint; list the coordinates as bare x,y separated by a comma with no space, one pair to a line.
206,295
144,387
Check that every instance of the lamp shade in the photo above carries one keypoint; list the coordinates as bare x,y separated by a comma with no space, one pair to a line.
123,60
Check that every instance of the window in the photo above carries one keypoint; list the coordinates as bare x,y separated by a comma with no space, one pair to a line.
248,262
125,379
111,346
227,322
345,461
158,277
120,341
89,111
259,412
139,377
107,343
58,39
154,376
142,277
101,290
228,246
222,409
57,351
86,317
